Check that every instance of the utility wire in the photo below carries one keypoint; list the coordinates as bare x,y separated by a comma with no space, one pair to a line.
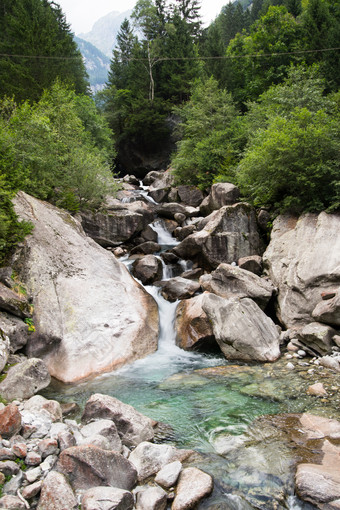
160,59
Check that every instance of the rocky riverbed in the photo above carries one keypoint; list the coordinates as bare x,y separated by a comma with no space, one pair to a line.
69,309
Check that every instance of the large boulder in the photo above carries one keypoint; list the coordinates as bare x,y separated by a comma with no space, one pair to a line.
317,337
241,329
178,288
25,379
190,195
14,303
4,349
193,328
133,427
118,223
90,466
328,310
319,483
193,485
225,236
107,498
302,260
90,314
56,493
15,329
231,281
147,269
221,194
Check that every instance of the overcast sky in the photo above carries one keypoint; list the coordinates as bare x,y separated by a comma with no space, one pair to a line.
81,14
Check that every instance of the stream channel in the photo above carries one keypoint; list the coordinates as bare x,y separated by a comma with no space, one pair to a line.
209,405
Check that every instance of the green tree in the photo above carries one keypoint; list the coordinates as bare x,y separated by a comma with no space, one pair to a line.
294,163
207,147
51,153
37,47
262,58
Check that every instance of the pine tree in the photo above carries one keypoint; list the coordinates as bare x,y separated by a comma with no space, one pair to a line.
37,47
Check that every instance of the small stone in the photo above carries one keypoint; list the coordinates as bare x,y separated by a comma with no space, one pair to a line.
33,459
302,353
153,498
290,366
9,468
32,475
310,371
14,484
168,475
330,362
9,502
288,356
193,486
66,440
49,463
6,454
31,490
56,493
20,450
48,447
10,421
115,499
317,390
291,347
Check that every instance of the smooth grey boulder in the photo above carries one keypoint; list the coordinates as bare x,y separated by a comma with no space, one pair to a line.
161,185
118,222
193,327
229,281
25,379
241,329
152,498
224,236
9,502
252,263
56,493
328,311
319,483
107,498
317,336
178,288
4,349
14,303
147,269
302,260
149,458
35,424
147,248
39,403
168,475
90,466
15,329
133,427
221,194
190,195
169,210
105,428
90,315
152,177
193,485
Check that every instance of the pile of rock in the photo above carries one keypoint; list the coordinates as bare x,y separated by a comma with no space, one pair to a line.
47,462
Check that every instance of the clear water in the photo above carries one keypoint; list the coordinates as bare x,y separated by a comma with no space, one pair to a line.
205,401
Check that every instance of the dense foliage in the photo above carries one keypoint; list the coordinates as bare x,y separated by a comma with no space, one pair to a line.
36,47
53,142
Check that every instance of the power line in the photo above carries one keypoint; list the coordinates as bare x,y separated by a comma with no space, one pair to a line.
161,59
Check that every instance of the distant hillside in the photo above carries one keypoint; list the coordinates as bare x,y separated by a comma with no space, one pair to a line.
97,64
104,31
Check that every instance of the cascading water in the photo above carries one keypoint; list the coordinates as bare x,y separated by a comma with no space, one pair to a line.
186,391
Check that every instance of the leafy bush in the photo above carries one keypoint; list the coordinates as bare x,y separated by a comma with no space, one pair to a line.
294,164
207,147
